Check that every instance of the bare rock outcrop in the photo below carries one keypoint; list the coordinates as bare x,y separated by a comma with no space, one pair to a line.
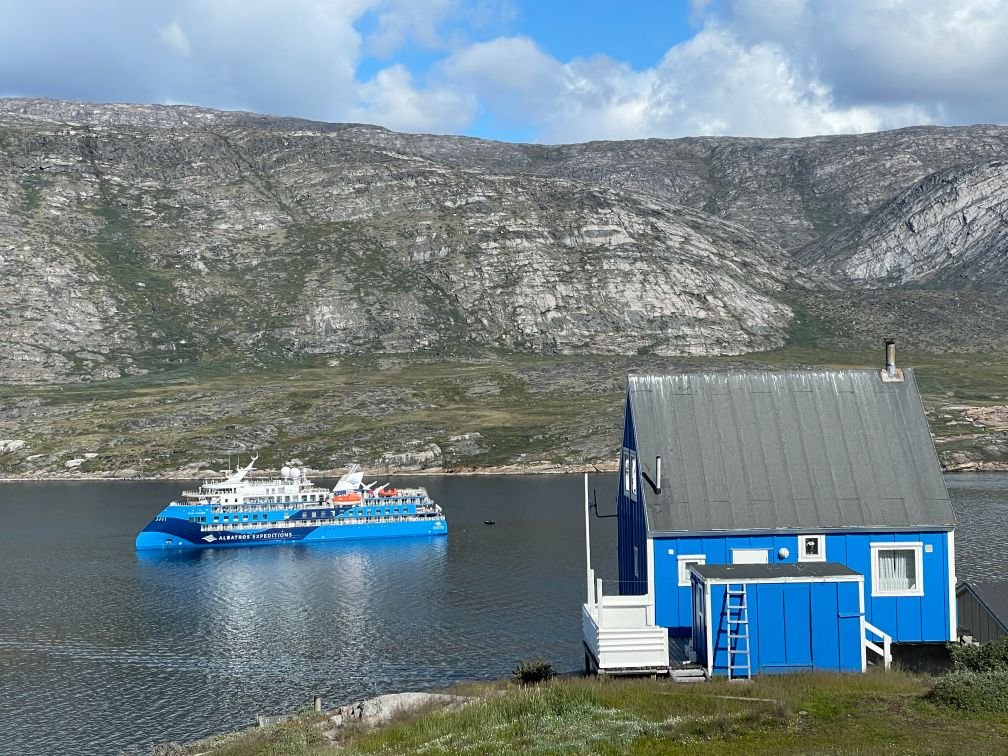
951,226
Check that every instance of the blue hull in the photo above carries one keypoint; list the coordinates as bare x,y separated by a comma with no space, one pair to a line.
179,534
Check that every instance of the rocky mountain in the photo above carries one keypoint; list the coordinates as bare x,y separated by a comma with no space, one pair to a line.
951,228
137,237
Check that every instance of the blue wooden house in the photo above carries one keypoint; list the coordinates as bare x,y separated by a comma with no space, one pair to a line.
831,473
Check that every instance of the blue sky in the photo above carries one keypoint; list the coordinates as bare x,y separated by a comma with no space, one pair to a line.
518,70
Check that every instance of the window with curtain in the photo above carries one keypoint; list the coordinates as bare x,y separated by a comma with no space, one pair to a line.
897,569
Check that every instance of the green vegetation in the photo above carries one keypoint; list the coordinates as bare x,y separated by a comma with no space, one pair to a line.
533,671
990,657
973,691
979,681
879,712
517,409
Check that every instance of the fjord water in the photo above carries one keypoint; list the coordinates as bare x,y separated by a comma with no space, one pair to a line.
103,648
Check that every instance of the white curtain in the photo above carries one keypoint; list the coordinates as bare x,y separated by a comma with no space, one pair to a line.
897,570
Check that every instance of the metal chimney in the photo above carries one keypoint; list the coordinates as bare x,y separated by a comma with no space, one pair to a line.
890,358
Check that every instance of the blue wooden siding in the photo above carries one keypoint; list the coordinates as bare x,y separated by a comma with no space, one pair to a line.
905,618
792,627
631,538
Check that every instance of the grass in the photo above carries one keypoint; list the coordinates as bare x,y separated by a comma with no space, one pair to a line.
560,409
879,712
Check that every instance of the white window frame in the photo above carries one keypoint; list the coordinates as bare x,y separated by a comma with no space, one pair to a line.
820,557
633,477
685,560
918,549
747,552
626,471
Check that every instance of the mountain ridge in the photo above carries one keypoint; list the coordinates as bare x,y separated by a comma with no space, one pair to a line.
141,237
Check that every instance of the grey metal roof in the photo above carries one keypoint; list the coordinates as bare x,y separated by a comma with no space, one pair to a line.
796,450
774,571
992,594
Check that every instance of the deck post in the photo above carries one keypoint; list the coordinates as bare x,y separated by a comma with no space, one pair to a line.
588,569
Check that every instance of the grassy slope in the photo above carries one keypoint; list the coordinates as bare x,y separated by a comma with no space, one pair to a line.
803,713
561,409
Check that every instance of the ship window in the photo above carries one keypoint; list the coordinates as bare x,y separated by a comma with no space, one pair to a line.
216,518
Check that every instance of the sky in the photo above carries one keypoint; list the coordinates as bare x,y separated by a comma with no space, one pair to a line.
548,71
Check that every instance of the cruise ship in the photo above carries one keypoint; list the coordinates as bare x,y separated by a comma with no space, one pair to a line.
242,510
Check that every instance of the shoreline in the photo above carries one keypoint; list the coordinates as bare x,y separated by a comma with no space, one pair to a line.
545,468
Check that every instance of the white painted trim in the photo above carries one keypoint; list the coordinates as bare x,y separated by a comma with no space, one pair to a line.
821,556
753,552
633,476
708,617
588,569
953,606
795,579
650,575
684,575
864,648
916,546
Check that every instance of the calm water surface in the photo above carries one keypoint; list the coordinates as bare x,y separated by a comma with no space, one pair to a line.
103,648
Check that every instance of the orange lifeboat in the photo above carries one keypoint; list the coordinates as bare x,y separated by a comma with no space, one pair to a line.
388,492
347,498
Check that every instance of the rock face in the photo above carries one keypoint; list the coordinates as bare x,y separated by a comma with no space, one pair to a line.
148,237
950,227
138,238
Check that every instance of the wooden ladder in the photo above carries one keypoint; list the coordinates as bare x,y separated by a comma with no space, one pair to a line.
737,616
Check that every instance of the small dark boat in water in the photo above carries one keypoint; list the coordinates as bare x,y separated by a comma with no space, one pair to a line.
489,522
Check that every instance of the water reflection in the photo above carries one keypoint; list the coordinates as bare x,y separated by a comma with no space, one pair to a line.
104,647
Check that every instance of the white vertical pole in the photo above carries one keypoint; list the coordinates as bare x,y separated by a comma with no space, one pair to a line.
588,572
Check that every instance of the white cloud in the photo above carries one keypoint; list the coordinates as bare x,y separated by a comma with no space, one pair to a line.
710,84
392,99
402,21
754,67
944,55
760,68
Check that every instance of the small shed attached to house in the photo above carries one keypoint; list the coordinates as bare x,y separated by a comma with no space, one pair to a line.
983,609
793,467
740,611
